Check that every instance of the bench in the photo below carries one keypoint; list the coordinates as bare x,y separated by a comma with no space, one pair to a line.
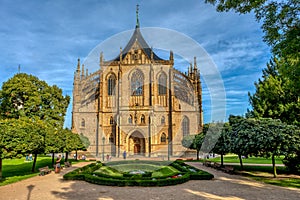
92,159
44,170
189,159
207,163
68,164
228,169
216,165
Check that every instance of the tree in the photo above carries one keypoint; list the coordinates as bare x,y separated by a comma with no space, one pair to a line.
275,138
223,144
193,142
242,136
19,137
281,25
26,95
212,132
73,143
273,97
55,141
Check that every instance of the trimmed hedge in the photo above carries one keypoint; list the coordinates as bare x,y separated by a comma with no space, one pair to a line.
88,174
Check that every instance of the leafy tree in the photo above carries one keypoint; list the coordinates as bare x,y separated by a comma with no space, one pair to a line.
281,25
273,97
26,95
212,132
275,138
19,137
85,140
73,143
223,144
193,142
55,142
242,137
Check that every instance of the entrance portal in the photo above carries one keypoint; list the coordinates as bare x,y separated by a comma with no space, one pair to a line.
136,143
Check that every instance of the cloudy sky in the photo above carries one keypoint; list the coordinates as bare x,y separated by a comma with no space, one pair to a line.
46,38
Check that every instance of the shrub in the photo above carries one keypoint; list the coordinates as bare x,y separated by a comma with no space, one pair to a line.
89,174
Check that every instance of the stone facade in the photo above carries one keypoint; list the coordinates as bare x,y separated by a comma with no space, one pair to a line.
137,103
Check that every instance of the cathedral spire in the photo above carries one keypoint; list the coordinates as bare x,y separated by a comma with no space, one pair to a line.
137,17
78,65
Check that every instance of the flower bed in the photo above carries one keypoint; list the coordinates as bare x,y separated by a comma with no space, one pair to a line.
175,173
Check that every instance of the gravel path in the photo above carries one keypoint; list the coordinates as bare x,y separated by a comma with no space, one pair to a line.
222,187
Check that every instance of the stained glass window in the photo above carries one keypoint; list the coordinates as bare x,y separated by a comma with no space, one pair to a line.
111,84
162,84
185,125
137,79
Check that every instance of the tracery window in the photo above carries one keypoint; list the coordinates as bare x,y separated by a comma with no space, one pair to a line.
162,84
185,125
137,83
111,84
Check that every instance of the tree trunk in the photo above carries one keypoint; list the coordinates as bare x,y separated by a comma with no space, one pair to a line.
76,154
34,162
52,159
222,162
198,154
0,168
67,156
274,167
241,162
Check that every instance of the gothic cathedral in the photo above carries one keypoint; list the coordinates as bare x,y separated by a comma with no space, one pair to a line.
137,102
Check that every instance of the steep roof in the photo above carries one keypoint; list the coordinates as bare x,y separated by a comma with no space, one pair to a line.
137,36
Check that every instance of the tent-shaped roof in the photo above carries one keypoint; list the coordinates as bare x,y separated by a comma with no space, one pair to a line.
137,36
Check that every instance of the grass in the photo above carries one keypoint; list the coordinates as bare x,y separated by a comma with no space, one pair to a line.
265,174
156,167
250,160
165,171
129,167
14,170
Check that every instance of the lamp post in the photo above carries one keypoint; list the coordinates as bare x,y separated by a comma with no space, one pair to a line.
103,140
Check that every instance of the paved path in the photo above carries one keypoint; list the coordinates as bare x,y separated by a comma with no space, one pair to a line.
222,187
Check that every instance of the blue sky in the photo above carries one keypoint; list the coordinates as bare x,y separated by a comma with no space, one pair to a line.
46,38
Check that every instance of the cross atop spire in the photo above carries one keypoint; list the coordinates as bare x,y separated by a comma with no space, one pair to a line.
137,17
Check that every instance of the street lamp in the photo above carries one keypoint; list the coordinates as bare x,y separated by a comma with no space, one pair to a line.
103,140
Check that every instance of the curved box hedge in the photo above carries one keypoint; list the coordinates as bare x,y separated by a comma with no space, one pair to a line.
88,174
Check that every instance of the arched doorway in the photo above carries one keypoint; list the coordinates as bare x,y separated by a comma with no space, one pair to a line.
136,143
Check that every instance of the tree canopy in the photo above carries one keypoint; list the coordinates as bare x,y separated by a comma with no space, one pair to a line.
281,27
26,95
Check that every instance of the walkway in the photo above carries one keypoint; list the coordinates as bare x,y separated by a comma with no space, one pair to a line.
222,187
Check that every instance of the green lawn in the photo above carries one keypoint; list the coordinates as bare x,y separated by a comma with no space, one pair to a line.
156,167
140,166
14,170
252,160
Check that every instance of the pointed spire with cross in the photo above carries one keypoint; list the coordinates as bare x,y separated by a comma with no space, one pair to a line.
137,17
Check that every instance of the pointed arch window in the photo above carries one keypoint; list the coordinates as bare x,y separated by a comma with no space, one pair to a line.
137,79
185,125
111,120
111,84
163,138
162,84
143,119
82,123
130,119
